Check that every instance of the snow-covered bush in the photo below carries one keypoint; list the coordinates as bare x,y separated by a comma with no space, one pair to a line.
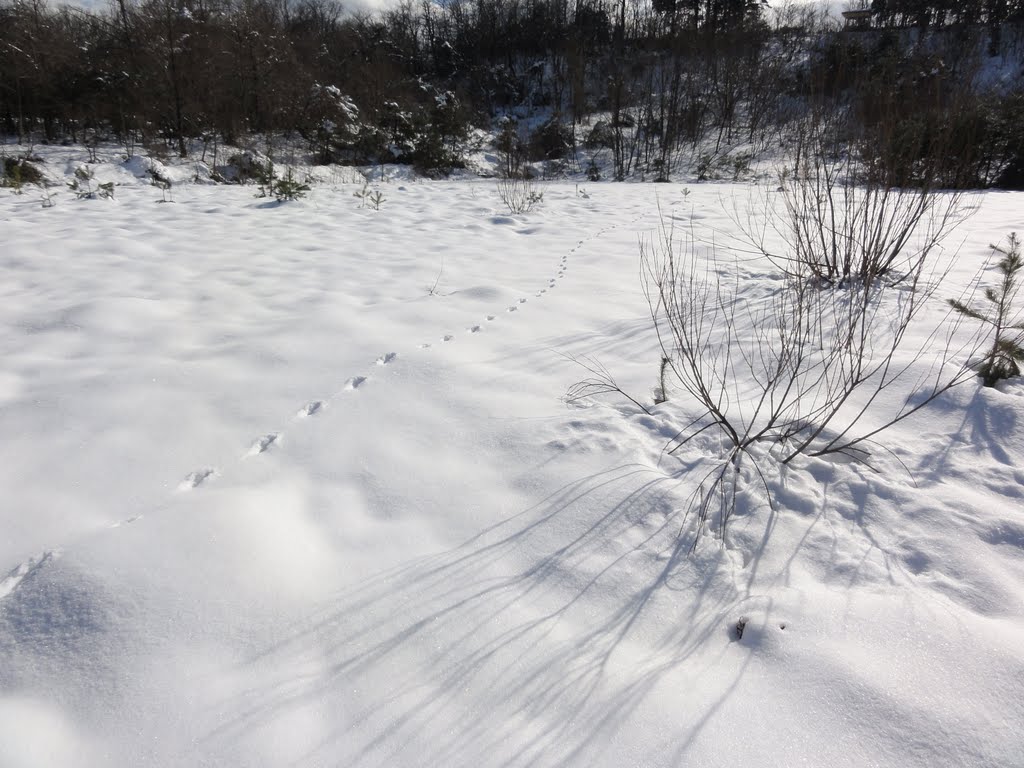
84,188
601,136
17,171
441,130
331,123
551,141
248,166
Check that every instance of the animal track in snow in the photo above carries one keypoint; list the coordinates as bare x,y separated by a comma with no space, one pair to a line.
197,478
447,337
312,408
513,308
474,329
262,444
355,383
522,301
424,346
490,317
387,358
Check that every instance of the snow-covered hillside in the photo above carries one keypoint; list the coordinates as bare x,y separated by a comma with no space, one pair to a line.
294,485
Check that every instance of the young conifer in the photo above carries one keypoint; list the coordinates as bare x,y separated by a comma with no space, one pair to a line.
1007,351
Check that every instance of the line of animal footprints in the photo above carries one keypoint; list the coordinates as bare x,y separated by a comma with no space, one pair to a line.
552,283
265,442
478,327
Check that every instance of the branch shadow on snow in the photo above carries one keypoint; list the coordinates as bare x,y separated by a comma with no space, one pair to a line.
528,644
988,424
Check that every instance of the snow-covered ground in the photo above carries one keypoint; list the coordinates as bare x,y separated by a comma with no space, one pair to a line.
294,485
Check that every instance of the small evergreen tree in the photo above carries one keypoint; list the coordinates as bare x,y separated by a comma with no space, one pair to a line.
1007,351
289,187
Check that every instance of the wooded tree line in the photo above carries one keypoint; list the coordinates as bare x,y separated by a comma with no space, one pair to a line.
648,80
929,13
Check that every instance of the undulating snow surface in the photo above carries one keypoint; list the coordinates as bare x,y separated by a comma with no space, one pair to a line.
294,485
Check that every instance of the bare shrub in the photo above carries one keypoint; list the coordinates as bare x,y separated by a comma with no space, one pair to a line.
785,367
789,367
838,227
519,195
799,369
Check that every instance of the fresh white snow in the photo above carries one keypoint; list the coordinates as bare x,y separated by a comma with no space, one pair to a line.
275,494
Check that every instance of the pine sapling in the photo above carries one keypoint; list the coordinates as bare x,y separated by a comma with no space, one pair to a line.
371,197
288,187
363,194
1007,322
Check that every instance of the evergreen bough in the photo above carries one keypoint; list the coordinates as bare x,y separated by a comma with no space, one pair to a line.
1007,351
